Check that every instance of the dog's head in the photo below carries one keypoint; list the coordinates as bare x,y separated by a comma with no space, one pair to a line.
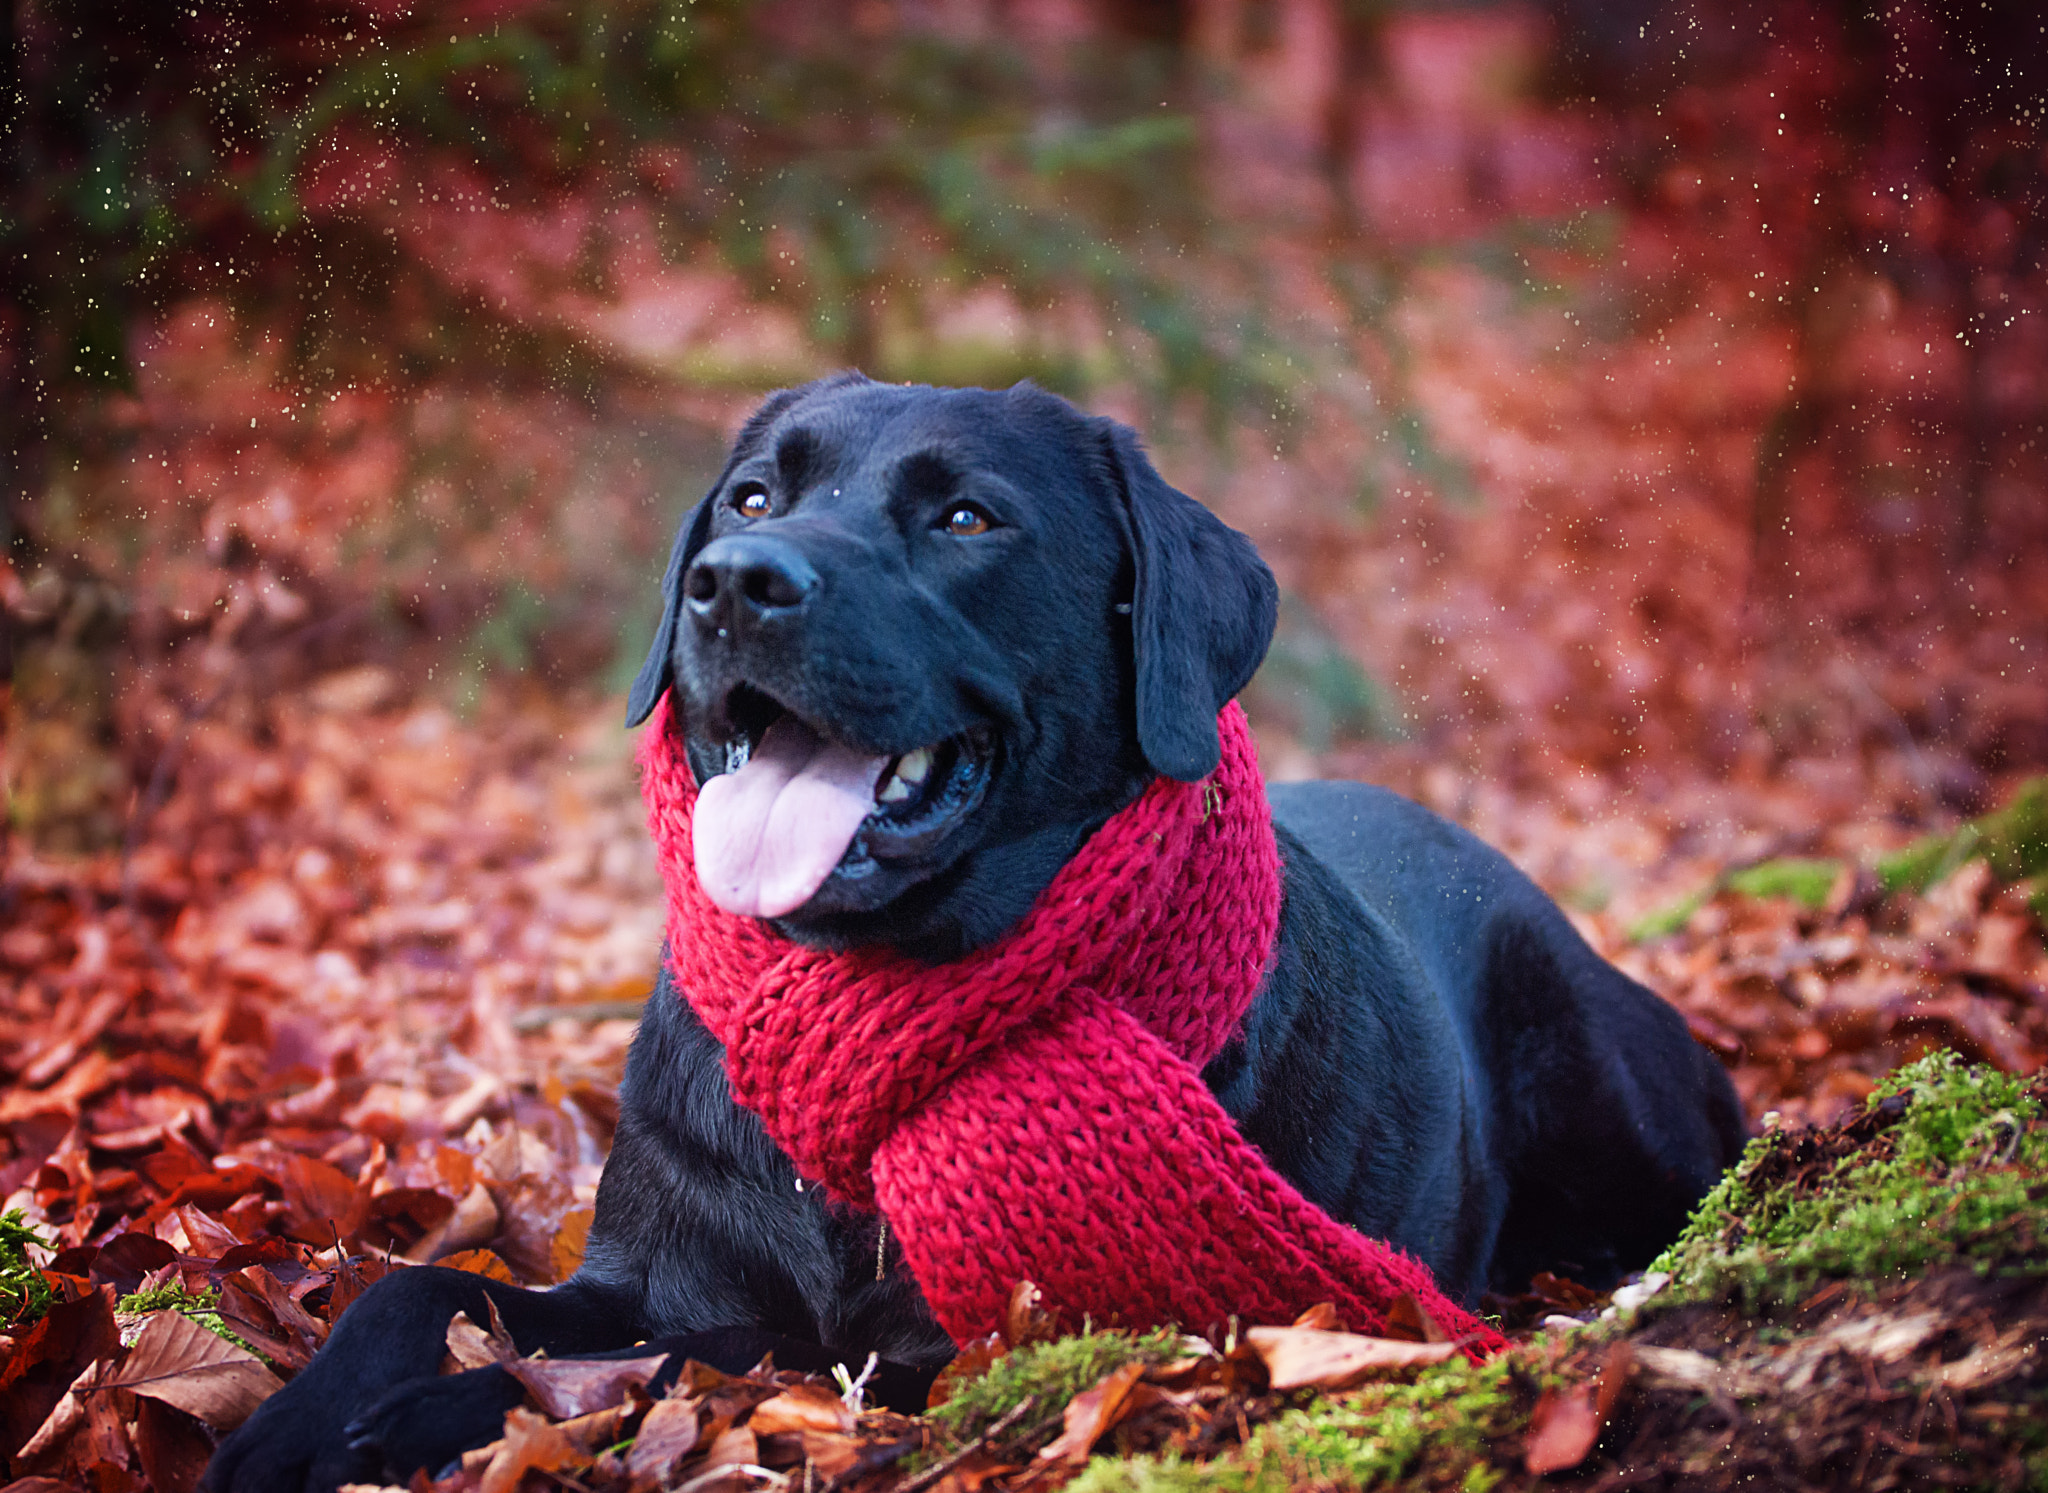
922,642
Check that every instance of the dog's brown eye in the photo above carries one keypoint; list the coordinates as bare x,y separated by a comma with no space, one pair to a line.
754,503
966,522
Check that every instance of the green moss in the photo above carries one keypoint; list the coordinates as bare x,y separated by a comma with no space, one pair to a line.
1957,1178
1667,920
1807,882
24,1294
1433,1431
174,1297
2012,839
1054,1372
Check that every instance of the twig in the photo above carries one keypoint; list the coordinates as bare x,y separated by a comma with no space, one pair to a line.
986,1439
537,1018
728,1469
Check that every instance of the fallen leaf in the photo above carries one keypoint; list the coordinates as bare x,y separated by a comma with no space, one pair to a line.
530,1443
566,1387
70,1338
1567,1423
1026,1318
266,1251
474,1347
126,1258
1322,1317
1091,1414
173,1446
459,1235
65,1417
565,1254
801,1407
668,1433
323,1202
200,1372
1562,1429
971,1362
593,1432
291,1315
481,1262
1408,1321
1305,1358
251,1319
733,1447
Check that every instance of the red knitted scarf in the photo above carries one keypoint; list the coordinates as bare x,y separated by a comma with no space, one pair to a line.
1035,1110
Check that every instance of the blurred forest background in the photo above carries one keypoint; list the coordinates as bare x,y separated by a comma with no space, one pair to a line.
1641,402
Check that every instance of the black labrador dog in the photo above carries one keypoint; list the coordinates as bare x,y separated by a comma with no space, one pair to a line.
998,600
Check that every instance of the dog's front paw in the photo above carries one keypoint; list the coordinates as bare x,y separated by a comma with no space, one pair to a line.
430,1423
294,1443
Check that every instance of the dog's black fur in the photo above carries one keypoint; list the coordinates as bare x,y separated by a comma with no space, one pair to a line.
1437,1058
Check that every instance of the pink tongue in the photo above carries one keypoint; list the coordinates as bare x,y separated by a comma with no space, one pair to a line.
768,835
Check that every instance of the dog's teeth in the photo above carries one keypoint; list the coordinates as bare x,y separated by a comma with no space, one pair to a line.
895,790
914,767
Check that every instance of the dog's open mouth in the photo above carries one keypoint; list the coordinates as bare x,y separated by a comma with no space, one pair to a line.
794,806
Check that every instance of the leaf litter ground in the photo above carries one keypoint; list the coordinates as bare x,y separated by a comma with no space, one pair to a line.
359,997
357,990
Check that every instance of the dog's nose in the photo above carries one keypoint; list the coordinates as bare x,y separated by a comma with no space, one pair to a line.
747,576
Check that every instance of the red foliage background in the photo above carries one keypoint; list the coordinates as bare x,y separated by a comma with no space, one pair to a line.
1642,413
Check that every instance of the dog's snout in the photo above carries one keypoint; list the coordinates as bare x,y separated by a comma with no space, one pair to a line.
747,575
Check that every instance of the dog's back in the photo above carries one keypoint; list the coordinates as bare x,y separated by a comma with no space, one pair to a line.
1596,1121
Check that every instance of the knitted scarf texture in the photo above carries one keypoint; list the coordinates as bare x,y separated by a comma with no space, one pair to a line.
1035,1111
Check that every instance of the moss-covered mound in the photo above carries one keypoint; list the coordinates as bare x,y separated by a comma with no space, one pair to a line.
1947,1164
1856,1306
1450,1426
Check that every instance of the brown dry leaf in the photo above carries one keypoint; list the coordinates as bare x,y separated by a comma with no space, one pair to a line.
1562,1430
67,1342
1305,1358
530,1442
200,1372
323,1202
63,1420
1567,1423
474,1347
1091,1414
833,1456
481,1262
251,1319
973,1473
598,1429
733,1447
460,1235
351,1279
1322,1317
291,1315
668,1433
568,1387
971,1362
1409,1321
566,1253
172,1447
1026,1318
801,1407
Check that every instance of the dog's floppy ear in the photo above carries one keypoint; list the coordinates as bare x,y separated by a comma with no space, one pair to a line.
654,674
1202,612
